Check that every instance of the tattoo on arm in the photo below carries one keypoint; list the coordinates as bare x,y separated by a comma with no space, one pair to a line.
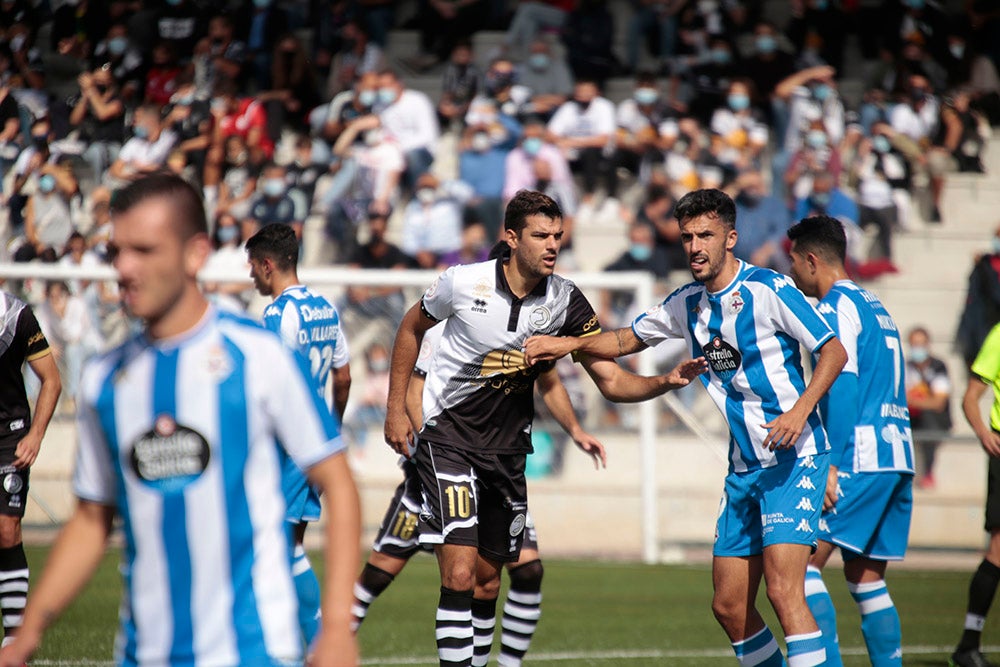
620,335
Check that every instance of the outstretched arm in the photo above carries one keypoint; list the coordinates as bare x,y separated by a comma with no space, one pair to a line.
785,429
607,345
621,386
557,401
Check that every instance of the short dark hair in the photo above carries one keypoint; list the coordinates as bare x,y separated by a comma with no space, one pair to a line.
187,201
821,235
277,243
499,249
711,202
529,202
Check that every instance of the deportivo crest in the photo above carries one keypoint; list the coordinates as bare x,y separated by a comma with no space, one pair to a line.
736,302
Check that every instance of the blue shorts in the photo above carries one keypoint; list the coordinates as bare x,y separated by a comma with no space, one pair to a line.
872,515
776,505
301,500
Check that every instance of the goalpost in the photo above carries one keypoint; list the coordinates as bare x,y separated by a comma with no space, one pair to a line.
641,285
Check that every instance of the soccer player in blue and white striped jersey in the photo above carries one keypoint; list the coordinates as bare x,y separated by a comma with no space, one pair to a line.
749,323
310,325
179,431
869,492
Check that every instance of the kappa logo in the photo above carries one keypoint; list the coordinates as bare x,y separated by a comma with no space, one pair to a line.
806,483
803,527
478,306
898,653
896,437
807,462
780,282
827,309
823,526
805,505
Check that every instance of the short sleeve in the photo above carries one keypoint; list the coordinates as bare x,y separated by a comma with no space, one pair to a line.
438,301
792,314
843,317
341,351
29,331
660,322
987,363
290,325
581,319
94,471
429,346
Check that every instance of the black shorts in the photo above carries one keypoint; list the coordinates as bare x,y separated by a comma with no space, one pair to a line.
399,534
13,481
993,496
473,499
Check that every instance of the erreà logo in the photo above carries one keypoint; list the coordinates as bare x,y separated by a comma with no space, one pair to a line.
723,358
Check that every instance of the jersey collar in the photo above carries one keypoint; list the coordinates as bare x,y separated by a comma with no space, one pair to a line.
503,286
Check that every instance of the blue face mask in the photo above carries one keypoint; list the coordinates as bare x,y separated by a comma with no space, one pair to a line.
816,138
919,355
766,44
820,200
821,91
117,45
367,98
532,146
645,96
721,56
386,95
228,234
140,132
639,252
538,61
738,101
47,183
881,144
274,187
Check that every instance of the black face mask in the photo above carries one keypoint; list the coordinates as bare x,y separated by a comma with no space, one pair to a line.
40,142
749,199
498,82
541,185
583,106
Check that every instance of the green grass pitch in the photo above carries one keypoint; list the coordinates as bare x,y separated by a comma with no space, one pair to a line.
594,613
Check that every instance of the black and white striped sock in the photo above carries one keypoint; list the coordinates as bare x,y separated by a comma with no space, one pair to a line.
521,612
484,621
370,584
13,587
453,628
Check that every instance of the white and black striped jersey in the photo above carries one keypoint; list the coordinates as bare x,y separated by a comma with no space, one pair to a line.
478,393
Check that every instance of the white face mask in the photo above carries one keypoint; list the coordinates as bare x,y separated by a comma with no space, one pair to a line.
425,195
481,142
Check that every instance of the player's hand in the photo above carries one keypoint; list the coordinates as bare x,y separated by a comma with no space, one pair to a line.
686,371
784,430
991,443
832,486
398,432
334,647
16,653
591,446
547,348
27,451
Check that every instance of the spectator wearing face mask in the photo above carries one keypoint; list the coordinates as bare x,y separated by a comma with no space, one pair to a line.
500,87
918,119
708,75
637,119
816,155
228,255
27,67
36,155
161,78
767,65
99,116
482,158
739,134
584,128
432,221
519,167
123,59
238,187
928,397
761,220
219,55
147,150
459,84
547,77
828,199
274,205
357,55
48,221
409,116
657,211
329,120
641,255
807,96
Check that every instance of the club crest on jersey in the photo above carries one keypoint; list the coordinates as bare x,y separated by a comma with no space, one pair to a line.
736,302
218,363
12,483
540,317
169,456
724,359
483,289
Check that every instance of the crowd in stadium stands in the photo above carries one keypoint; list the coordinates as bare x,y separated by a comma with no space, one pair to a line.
291,112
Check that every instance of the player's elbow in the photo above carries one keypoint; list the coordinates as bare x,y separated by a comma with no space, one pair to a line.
835,352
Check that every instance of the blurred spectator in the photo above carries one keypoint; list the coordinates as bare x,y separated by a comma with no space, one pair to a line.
259,25
218,56
708,76
815,156
500,88
564,194
245,117
519,168
965,132
293,90
18,11
228,255
917,119
588,36
161,78
739,133
482,160
819,25
303,172
72,334
27,67
761,220
432,221
326,38
239,182
181,24
123,59
928,397
147,150
657,212
347,106
76,254
274,205
47,219
767,66
641,255
442,24
409,117
378,17
386,304
369,413
982,302
805,97
190,119
99,115
77,27
915,21
99,236
654,23
475,247
547,77
583,128
828,199
357,55
530,18
683,143
638,118
459,85
976,74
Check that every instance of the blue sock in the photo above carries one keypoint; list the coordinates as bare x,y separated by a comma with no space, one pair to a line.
307,588
879,624
823,611
806,650
760,650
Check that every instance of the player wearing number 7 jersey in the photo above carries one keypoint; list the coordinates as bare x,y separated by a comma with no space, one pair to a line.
869,491
310,325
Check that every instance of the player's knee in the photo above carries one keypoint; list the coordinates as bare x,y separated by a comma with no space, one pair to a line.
527,577
729,610
488,589
785,593
10,531
459,577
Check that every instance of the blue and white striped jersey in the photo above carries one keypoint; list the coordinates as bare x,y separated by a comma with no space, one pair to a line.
309,324
867,417
750,332
180,437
